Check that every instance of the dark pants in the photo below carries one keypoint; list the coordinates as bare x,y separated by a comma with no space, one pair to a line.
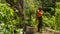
40,24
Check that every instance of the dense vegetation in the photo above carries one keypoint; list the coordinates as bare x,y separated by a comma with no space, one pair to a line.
9,19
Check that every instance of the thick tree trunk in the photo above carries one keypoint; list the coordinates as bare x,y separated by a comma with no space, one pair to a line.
19,6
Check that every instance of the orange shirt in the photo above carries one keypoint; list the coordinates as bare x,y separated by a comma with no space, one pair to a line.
39,13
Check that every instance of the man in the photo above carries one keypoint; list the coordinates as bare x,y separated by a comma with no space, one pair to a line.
39,14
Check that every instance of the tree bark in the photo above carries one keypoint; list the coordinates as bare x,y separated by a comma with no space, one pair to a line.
18,5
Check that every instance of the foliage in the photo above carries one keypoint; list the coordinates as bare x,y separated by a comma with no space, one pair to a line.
50,17
8,19
53,21
30,12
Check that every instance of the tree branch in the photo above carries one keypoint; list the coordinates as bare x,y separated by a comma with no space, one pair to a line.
18,5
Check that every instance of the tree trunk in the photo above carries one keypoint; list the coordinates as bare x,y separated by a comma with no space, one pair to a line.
19,6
